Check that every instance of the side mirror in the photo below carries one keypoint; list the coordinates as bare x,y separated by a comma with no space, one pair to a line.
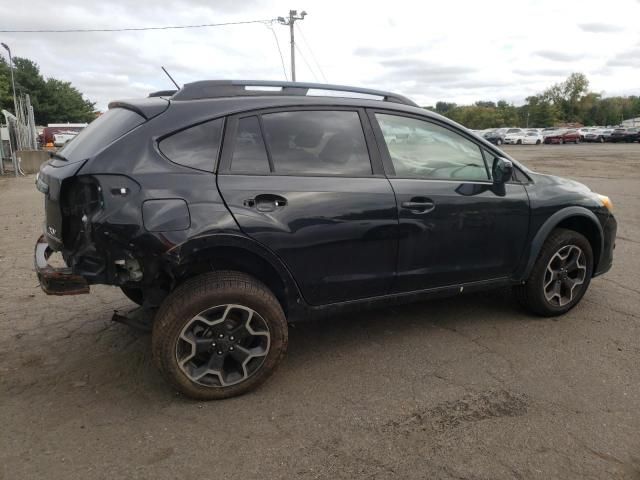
502,170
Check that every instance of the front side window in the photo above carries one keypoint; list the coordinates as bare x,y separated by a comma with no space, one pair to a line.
317,143
422,149
196,147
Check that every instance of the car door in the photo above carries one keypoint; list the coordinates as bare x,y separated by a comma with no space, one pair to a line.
456,226
302,183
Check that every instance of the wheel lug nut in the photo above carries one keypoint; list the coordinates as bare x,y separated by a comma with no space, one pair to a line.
231,349
221,336
231,338
213,344
219,352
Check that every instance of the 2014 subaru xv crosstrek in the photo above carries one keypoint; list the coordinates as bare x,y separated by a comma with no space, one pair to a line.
229,208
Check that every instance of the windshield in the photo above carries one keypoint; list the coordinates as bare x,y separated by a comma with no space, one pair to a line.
100,133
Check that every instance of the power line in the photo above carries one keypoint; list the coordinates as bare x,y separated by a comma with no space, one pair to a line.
306,63
138,29
313,57
284,69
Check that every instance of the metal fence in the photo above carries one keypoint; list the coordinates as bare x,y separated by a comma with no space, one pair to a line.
22,134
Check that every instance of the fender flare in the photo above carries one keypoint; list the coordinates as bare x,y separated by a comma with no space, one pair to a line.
547,227
192,248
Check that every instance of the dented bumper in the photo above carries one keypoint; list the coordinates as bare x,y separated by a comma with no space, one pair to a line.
56,281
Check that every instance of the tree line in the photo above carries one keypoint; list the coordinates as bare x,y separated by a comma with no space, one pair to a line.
53,100
565,102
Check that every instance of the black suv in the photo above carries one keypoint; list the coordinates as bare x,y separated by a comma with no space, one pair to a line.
228,208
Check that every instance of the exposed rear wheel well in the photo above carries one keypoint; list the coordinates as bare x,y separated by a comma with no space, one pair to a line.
239,260
587,228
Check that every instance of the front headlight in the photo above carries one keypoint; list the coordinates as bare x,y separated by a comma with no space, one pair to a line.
605,201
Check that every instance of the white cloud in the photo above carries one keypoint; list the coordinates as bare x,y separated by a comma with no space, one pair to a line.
459,51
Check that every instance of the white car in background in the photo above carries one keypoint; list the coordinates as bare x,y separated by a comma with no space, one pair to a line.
60,139
514,136
533,138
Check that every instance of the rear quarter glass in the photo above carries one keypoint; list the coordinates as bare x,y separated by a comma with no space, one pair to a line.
101,132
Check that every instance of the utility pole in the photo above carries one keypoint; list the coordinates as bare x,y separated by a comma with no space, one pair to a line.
13,85
293,16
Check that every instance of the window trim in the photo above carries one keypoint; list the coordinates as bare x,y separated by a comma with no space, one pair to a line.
375,161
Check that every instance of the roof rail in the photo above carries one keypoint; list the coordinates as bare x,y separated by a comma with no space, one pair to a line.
243,88
162,93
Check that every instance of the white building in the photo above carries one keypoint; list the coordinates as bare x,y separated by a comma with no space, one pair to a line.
632,122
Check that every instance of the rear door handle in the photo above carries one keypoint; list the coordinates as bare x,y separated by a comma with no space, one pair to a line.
265,202
419,205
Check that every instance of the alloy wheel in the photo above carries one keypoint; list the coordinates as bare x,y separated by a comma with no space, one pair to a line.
566,271
223,345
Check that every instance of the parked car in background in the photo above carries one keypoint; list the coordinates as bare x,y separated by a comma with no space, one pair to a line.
563,136
625,135
533,138
60,139
514,136
599,136
496,136
584,131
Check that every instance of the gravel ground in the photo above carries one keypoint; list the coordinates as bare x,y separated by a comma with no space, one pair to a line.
464,388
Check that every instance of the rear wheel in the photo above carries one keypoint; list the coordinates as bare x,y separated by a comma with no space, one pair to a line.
577,141
561,141
560,276
538,142
499,142
219,335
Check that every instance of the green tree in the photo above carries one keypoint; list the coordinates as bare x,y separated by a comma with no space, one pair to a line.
53,100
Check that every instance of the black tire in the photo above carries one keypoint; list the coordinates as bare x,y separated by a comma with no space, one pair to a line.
538,142
561,141
133,294
577,141
601,139
197,296
531,295
519,142
498,142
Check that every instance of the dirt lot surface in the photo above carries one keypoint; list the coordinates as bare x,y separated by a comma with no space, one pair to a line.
464,388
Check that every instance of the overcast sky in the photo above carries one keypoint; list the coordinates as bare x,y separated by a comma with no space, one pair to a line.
460,51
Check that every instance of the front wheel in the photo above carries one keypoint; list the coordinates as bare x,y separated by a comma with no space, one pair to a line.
219,335
538,142
498,142
560,276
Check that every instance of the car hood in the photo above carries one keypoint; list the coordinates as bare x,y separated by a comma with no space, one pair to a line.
560,182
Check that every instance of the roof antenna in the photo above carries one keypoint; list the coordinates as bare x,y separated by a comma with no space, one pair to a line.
170,77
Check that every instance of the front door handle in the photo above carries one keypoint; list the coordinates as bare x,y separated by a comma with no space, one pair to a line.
419,205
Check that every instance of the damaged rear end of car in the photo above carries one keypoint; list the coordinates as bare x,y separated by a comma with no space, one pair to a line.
93,215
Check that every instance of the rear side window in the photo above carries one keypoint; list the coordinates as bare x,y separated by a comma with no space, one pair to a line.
249,154
317,143
196,147
108,127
